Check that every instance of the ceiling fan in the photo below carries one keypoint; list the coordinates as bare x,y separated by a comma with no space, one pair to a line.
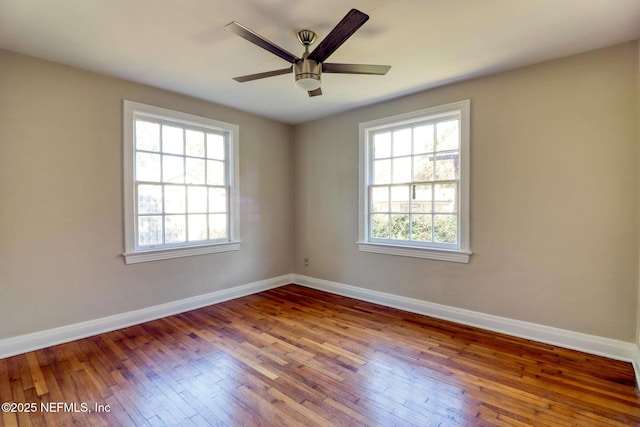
308,69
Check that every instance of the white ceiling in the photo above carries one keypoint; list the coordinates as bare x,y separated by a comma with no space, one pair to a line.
182,45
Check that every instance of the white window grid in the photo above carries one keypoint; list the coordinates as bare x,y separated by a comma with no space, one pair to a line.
165,184
411,185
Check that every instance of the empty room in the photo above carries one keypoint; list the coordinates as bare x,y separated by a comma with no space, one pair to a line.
296,213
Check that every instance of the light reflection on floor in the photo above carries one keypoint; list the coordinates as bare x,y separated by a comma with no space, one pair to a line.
410,391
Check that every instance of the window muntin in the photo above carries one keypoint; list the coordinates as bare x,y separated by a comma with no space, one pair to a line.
414,180
180,182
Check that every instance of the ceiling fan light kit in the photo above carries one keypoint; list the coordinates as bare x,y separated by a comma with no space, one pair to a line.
307,75
307,70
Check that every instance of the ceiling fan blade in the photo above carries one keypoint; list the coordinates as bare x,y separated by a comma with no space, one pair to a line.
258,40
266,74
340,33
315,92
355,69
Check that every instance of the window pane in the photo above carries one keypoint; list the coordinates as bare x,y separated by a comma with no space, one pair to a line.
196,199
175,199
173,169
382,145
215,173
445,198
382,172
401,170
400,226
147,167
149,199
147,136
380,199
400,199
149,230
172,140
217,200
445,228
402,142
197,227
175,228
215,146
421,198
447,166
421,227
423,139
448,136
195,171
423,168
195,143
380,226
217,226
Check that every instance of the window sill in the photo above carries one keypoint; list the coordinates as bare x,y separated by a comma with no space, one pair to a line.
156,255
416,252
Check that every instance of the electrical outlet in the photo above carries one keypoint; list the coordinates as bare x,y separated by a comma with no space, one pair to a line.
306,262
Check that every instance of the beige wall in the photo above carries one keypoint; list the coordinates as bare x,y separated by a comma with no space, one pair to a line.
638,314
554,197
61,222
555,190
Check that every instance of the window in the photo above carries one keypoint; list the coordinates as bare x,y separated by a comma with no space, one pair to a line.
414,184
180,184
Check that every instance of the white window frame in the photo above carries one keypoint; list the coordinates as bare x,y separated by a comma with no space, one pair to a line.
135,110
460,252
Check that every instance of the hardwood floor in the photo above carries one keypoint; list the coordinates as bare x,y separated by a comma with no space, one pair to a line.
299,357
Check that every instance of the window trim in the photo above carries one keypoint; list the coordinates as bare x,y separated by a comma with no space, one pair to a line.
461,254
131,110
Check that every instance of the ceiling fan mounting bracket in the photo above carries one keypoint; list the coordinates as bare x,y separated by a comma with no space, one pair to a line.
306,37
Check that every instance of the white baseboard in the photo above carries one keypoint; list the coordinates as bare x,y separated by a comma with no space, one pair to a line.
614,349
37,340
636,365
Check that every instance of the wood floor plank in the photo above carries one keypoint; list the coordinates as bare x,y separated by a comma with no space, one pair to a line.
36,374
295,356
